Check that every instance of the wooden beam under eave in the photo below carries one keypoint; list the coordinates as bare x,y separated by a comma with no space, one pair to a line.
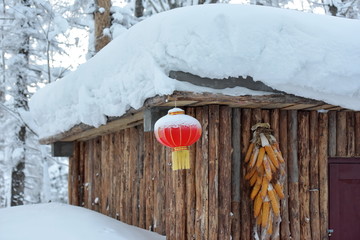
84,132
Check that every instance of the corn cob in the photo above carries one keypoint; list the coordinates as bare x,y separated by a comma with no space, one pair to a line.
259,217
261,170
260,157
257,205
249,152
264,187
250,174
279,190
272,167
270,152
265,214
272,156
270,227
274,202
254,157
253,179
256,188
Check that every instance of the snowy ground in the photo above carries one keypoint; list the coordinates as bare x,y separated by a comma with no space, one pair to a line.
54,221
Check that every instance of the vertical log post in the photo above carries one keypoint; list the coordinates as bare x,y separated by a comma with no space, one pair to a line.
332,133
245,214
350,125
341,130
213,171
293,172
283,142
225,173
190,188
235,173
314,176
323,173
202,177
304,161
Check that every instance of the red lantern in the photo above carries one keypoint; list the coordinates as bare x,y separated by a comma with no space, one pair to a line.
178,131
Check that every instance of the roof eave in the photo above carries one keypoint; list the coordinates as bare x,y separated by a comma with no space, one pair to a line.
134,117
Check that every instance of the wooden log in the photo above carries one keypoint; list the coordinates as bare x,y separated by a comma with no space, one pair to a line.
135,181
170,198
265,116
97,175
159,187
73,178
128,176
314,176
140,172
180,207
112,165
293,173
190,188
82,174
304,162
274,122
245,214
149,187
332,133
202,176
122,174
350,126
256,116
284,207
341,134
235,173
323,174
105,174
213,171
225,173
156,174
87,174
357,133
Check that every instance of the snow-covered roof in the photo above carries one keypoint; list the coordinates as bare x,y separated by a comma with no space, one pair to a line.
64,222
312,56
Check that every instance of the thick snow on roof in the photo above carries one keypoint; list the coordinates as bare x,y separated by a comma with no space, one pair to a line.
64,222
304,54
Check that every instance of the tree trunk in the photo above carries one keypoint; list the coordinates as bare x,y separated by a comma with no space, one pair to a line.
102,18
139,8
21,102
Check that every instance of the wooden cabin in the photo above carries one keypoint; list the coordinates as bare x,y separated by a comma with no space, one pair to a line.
120,170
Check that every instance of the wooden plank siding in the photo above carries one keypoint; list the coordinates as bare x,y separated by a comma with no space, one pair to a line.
127,174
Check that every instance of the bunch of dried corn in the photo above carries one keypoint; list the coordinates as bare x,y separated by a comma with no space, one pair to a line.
264,160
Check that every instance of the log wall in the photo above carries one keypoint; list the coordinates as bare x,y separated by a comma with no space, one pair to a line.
127,175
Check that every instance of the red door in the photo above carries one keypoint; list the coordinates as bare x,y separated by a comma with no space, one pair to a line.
344,189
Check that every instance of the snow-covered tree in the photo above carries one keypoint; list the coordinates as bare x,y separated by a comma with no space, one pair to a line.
34,35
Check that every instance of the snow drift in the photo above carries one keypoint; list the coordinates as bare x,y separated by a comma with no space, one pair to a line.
64,222
304,54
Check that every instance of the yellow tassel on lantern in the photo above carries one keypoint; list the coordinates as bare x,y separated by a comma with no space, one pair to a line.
180,158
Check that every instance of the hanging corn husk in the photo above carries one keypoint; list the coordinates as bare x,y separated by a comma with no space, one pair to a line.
266,176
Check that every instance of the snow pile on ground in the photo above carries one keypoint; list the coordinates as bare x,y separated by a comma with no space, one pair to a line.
64,222
300,53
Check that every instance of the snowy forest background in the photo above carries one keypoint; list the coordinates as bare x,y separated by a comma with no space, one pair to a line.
42,41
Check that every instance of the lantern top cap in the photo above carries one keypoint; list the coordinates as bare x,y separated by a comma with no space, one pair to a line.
175,111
